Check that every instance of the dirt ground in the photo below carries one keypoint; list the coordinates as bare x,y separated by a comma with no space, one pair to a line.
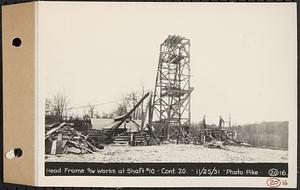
175,153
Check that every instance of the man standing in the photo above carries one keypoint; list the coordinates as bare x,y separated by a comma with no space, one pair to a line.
204,122
204,128
221,122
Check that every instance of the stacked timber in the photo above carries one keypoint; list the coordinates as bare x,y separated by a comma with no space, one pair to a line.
133,139
61,138
122,139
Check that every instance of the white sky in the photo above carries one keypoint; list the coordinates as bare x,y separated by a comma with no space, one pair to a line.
243,56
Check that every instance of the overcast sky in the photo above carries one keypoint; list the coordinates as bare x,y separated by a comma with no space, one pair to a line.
243,56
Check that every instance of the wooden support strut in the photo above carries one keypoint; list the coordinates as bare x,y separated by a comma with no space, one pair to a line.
123,119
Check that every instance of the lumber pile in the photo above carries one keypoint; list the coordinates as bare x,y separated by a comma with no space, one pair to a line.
122,139
133,139
61,138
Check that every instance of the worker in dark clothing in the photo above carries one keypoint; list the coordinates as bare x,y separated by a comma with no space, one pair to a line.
204,122
221,122
187,129
204,128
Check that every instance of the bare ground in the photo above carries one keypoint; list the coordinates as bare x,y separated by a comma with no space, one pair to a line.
175,153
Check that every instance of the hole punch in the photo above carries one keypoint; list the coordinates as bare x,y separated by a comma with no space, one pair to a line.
18,152
14,153
17,42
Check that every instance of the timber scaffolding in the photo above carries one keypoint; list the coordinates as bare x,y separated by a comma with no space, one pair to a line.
171,106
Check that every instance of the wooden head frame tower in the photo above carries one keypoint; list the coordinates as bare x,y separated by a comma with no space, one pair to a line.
171,104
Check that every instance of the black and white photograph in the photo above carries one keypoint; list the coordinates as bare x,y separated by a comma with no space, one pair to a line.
174,85
150,94
166,91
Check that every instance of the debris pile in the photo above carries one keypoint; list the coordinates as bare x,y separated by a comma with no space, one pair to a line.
214,144
61,138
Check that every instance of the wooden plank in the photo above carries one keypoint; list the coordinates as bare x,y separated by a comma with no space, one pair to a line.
59,147
91,146
73,150
64,147
48,146
55,129
53,149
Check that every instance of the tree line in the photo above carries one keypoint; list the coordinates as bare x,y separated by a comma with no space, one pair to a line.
58,107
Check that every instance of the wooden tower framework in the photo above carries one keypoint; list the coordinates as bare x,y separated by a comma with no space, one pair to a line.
171,104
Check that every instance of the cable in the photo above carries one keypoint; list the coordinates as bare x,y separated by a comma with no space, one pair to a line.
93,105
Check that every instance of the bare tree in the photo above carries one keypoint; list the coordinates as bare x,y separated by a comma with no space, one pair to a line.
128,102
59,105
91,110
48,107
122,108
142,114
